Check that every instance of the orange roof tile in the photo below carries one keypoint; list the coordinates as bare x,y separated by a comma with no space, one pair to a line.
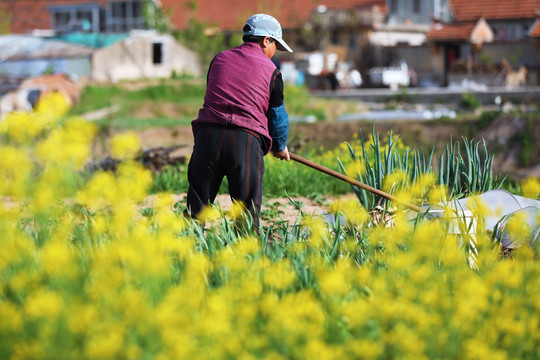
453,31
535,29
470,31
469,10
229,15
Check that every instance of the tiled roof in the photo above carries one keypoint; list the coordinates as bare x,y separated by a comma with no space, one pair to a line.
231,15
472,10
54,82
453,31
535,29
470,31
19,47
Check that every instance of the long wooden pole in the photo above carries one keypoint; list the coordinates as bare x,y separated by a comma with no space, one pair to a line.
352,181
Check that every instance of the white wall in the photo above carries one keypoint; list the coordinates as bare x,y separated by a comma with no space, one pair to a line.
132,58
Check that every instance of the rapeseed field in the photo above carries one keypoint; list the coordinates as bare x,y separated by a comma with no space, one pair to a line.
86,273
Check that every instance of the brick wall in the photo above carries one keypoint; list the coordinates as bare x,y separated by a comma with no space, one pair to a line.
27,15
231,15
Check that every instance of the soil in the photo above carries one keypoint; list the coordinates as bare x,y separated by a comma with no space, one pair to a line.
305,136
421,134
279,208
302,137
181,136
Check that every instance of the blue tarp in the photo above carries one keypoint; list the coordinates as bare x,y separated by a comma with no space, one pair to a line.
94,40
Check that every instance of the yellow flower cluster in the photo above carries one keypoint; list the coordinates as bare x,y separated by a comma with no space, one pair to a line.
84,274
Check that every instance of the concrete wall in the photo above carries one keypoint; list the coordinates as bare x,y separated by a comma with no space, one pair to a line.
489,79
132,59
424,61
523,53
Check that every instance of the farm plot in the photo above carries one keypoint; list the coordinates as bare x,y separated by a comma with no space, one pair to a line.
90,271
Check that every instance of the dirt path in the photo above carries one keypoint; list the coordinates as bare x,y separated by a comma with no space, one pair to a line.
278,208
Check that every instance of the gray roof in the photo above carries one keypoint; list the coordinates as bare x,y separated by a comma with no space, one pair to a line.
26,47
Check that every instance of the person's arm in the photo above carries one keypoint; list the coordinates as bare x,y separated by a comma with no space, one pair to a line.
278,120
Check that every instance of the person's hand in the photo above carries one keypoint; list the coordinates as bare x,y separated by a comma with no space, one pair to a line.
282,155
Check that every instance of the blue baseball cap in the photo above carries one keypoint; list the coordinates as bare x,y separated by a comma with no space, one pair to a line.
266,25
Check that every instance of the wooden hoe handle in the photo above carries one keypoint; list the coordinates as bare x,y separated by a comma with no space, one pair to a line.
352,181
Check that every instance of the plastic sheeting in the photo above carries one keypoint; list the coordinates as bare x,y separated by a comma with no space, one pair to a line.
499,207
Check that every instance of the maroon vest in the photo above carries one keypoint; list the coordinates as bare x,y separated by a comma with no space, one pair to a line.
238,89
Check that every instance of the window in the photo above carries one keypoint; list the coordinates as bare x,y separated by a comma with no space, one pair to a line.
61,20
394,6
417,6
75,18
124,16
157,53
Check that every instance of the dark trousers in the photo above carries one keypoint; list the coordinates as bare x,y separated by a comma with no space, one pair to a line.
225,151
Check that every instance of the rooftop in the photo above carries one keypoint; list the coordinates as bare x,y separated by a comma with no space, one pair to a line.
472,10
19,47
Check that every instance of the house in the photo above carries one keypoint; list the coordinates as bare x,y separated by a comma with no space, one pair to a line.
101,40
64,16
445,41
482,38
343,25
144,54
298,18
138,54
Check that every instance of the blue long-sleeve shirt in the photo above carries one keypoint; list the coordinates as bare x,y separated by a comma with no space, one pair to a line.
278,127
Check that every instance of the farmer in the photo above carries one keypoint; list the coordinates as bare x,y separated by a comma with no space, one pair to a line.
242,119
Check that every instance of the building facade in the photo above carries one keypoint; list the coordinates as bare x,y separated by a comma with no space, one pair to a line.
64,16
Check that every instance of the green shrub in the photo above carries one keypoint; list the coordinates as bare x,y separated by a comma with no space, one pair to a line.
486,117
470,101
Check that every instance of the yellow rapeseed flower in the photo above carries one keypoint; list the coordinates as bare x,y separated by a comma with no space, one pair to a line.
21,127
518,228
395,180
336,281
248,246
163,201
318,230
198,268
99,192
68,145
279,275
422,185
43,304
438,194
531,187
209,213
355,169
105,344
16,168
81,317
236,211
125,145
133,181
351,209
478,207
12,319
51,106
367,349
58,259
